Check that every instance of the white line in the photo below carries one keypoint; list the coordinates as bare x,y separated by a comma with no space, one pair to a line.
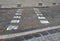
10,27
36,10
15,21
44,21
18,13
41,17
20,9
17,17
39,14
28,32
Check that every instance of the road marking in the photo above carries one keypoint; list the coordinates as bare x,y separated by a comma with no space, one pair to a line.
36,10
39,14
15,21
12,27
18,13
17,17
44,21
19,10
41,17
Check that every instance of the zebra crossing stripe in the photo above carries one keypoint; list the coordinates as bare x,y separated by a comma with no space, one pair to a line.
15,21
18,13
35,9
17,17
19,10
10,27
44,21
39,14
41,18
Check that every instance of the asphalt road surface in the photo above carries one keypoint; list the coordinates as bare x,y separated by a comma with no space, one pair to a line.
26,19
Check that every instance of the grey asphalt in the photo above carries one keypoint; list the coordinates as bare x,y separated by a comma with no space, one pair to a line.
29,20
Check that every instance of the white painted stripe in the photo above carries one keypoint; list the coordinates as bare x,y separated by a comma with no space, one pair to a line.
41,17
16,27
12,27
15,21
20,9
18,13
28,32
44,21
39,14
17,17
35,9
